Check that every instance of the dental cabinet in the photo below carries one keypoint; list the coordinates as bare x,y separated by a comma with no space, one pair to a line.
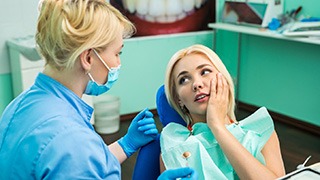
26,63
261,32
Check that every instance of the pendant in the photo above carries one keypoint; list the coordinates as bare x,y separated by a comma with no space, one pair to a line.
186,155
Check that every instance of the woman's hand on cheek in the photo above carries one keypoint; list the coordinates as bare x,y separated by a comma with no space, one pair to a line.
218,102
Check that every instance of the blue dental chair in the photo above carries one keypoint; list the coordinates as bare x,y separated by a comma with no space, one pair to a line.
147,165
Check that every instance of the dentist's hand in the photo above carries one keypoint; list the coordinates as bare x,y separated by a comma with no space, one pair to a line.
141,131
183,173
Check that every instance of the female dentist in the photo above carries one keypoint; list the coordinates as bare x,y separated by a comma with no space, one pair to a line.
45,132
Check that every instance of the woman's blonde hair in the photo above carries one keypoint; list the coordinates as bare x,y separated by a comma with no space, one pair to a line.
170,87
66,28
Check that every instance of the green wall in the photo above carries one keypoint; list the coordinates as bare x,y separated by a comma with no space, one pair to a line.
282,75
144,61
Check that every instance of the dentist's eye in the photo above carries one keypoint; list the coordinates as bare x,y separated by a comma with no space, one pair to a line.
119,53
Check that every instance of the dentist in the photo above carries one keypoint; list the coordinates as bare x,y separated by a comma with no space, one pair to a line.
45,132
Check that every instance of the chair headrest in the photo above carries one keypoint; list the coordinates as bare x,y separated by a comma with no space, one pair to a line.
166,113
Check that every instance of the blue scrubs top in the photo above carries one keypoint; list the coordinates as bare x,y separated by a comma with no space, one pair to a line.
45,133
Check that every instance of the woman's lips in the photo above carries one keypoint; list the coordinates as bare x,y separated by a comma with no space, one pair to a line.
201,97
154,21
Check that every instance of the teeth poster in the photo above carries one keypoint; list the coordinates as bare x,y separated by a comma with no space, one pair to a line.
154,17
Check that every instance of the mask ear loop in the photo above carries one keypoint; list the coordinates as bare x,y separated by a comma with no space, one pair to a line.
104,63
90,76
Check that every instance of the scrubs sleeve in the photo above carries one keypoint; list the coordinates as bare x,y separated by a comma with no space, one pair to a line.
77,154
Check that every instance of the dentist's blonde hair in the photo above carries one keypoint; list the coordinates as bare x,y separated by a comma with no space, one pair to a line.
170,87
66,28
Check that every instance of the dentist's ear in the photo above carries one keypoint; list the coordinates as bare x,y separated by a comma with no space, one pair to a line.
86,60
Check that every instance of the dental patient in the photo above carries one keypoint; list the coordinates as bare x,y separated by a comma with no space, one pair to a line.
199,87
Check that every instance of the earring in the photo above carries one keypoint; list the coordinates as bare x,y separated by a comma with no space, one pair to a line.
181,105
184,109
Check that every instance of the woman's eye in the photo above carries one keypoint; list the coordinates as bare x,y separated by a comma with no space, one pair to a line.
205,71
183,80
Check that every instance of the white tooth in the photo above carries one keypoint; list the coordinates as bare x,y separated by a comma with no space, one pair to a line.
181,16
157,8
142,6
149,18
140,16
188,5
171,19
199,3
129,5
161,19
173,7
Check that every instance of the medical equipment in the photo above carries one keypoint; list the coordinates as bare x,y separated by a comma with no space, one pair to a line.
306,173
303,29
251,12
304,163
107,113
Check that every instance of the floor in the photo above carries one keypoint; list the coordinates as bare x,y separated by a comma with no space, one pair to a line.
296,145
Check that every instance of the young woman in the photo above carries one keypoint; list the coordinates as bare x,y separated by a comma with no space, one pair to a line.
199,87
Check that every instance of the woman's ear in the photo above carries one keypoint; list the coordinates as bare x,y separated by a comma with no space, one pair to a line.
86,60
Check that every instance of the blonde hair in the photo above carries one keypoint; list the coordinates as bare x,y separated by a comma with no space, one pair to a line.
66,28
170,87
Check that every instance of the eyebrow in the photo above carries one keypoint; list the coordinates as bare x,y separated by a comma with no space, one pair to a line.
199,67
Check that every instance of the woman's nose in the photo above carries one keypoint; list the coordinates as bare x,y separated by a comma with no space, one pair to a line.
197,85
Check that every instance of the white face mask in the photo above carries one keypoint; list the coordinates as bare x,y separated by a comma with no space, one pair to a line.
93,88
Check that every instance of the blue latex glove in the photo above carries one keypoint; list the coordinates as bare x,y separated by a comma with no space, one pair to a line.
274,24
141,131
185,173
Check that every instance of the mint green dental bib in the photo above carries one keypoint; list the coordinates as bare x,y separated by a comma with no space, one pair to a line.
206,156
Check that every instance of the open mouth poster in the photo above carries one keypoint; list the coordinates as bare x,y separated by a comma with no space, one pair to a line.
154,17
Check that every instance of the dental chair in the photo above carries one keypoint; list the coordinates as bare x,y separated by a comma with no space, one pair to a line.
147,164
